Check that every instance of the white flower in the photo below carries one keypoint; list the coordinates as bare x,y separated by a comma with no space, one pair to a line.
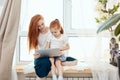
104,14
99,6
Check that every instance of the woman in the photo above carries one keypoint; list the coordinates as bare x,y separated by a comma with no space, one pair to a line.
38,34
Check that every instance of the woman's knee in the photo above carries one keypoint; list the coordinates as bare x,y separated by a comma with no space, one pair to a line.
42,67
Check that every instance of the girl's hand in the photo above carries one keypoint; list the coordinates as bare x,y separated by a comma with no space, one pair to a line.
61,53
61,49
36,55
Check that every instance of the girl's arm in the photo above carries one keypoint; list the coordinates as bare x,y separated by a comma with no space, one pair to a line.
65,47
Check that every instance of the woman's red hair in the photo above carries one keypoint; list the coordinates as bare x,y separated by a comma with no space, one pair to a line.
33,31
56,24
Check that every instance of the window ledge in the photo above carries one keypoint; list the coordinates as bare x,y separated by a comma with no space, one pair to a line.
70,73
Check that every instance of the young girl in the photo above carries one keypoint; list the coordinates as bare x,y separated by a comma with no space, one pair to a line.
58,40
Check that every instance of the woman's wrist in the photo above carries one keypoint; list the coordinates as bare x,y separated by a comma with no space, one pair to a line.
36,55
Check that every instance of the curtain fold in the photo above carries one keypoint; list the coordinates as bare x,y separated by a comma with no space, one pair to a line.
9,23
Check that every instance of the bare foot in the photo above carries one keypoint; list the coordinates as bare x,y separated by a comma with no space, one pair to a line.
69,63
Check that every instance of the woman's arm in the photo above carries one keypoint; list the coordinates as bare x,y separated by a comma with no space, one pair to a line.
47,45
36,55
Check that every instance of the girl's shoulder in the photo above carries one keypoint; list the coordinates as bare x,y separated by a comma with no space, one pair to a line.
64,35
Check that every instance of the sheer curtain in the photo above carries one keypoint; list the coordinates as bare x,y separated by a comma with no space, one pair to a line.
85,43
9,20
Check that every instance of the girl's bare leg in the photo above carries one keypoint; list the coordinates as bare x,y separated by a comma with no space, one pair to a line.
60,69
53,69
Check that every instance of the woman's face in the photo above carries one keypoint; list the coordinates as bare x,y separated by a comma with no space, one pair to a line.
41,24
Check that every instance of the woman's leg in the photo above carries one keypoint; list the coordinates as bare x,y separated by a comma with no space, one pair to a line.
42,67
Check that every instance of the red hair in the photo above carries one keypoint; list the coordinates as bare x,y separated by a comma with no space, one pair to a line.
56,24
33,31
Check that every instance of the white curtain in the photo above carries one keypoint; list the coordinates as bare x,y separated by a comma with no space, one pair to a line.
9,20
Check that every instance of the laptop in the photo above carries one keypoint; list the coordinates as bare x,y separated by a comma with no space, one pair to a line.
50,52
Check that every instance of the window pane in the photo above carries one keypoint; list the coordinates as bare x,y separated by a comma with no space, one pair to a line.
2,2
24,52
83,14
89,48
49,9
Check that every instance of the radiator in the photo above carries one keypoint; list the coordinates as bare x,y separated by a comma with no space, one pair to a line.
68,75
64,79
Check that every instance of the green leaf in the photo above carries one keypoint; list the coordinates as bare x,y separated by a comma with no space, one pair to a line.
97,20
119,38
109,22
117,30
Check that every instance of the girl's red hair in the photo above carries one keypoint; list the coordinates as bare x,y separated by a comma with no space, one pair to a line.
33,31
56,24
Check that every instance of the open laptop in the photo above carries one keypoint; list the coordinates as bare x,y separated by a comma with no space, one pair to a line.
51,52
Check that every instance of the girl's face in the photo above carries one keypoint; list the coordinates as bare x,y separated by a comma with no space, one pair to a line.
55,32
41,24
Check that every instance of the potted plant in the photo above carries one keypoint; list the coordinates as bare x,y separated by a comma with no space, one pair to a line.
110,19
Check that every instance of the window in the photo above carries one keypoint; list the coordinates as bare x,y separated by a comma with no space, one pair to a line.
80,25
77,17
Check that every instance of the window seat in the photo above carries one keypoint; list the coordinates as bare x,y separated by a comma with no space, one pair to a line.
95,70
87,73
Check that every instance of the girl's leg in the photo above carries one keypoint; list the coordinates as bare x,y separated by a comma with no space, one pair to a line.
60,69
53,69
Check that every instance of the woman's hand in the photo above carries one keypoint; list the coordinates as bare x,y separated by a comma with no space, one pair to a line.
36,55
